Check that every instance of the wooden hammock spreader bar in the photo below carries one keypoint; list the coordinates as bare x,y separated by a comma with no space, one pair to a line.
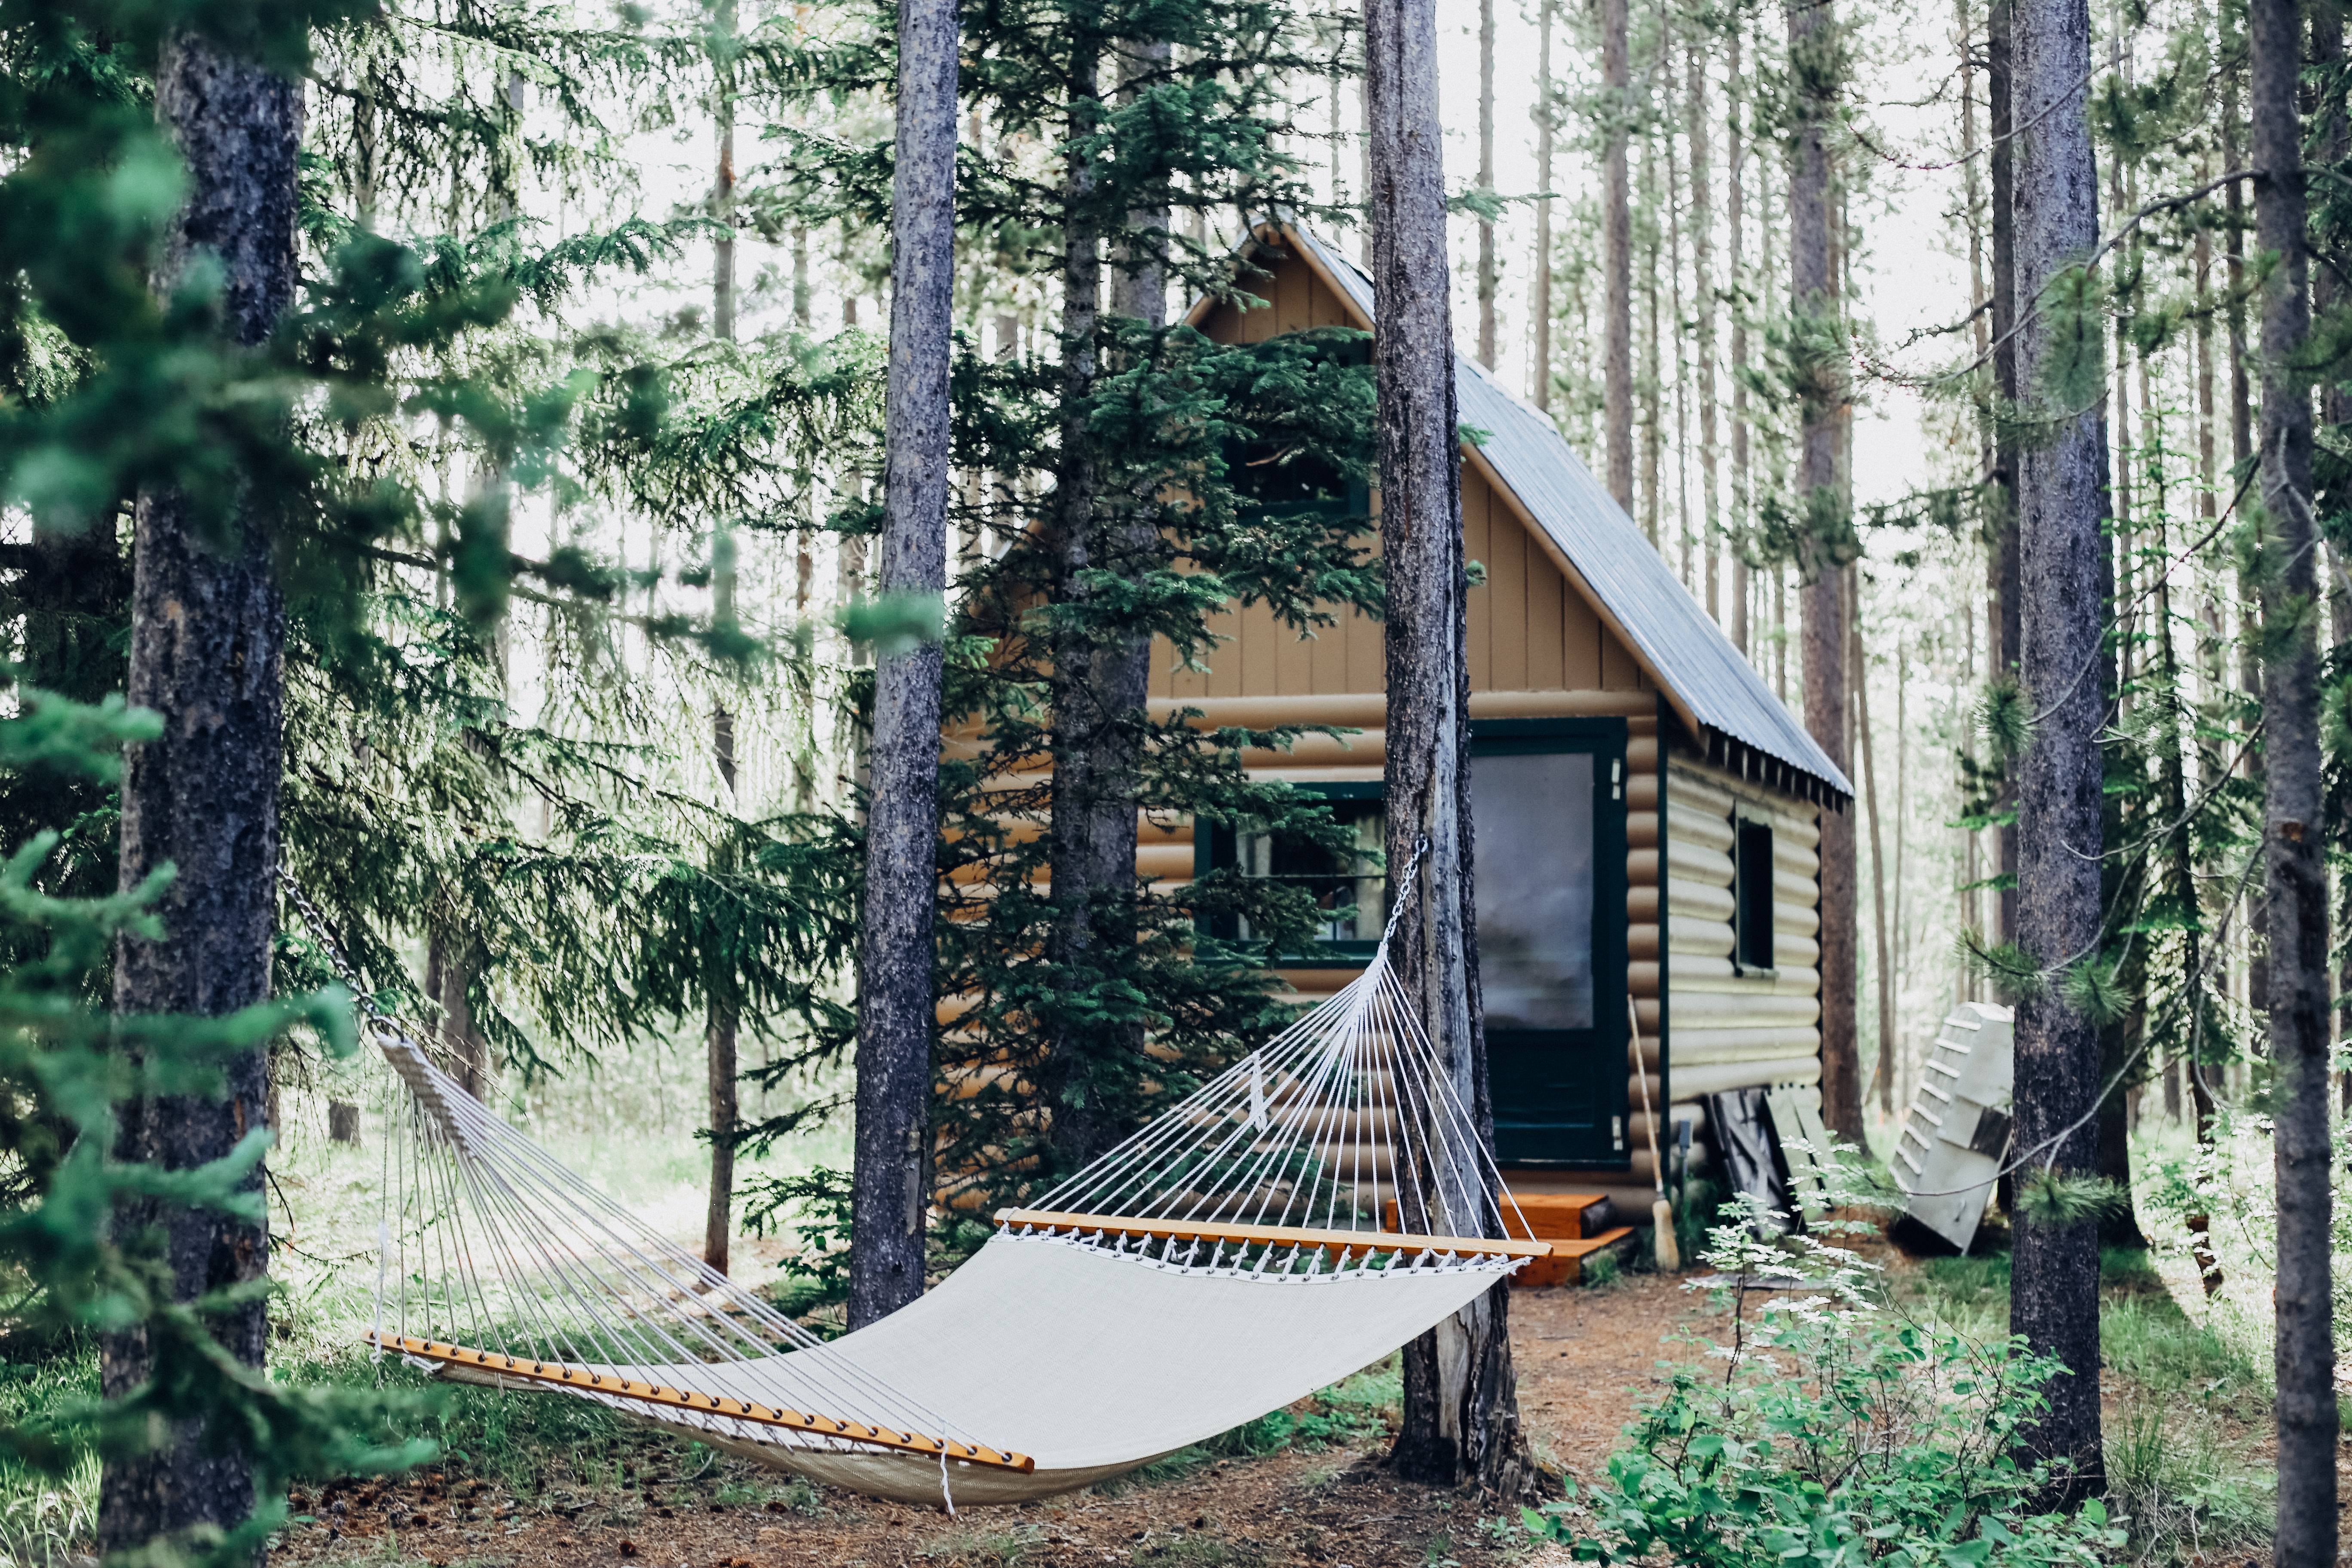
560,1376
1347,1243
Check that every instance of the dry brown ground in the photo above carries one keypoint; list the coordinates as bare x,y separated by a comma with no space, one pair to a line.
1585,1358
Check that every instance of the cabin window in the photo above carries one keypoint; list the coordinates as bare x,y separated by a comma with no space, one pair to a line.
1348,887
1534,859
1752,892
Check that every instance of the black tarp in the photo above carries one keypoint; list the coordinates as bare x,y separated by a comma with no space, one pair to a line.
1747,1149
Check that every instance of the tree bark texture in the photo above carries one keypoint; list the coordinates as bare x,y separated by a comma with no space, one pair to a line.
2053,1293
1735,203
1616,251
889,1195
2007,558
1702,200
2293,840
1812,295
1487,279
207,653
1882,1075
1087,708
718,1039
2122,886
1461,1402
450,965
1547,128
1101,674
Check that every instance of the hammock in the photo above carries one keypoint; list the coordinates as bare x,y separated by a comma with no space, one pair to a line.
1223,1261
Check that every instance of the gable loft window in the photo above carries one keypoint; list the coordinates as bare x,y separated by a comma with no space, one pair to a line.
1752,892
1347,887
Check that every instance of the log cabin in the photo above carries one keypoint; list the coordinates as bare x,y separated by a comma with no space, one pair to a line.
1646,810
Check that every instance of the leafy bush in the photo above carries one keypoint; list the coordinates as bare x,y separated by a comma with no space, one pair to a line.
1839,1432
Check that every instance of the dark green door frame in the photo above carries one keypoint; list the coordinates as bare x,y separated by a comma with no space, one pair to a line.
1560,1094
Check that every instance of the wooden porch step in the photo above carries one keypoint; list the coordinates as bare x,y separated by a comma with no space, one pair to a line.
1557,1218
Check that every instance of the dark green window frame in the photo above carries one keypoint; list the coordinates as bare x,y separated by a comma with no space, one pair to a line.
1752,892
1217,846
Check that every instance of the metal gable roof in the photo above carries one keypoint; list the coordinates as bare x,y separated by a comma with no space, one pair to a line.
1679,642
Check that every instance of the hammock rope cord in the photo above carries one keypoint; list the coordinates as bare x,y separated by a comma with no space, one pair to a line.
1295,1218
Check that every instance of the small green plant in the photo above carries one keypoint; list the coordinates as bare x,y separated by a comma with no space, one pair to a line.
2183,1493
1005,1547
1838,1432
1602,1269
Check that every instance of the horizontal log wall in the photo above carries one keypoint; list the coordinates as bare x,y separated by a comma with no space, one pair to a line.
1728,1030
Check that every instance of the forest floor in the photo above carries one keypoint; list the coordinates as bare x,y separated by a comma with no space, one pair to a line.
1585,1358
1307,1489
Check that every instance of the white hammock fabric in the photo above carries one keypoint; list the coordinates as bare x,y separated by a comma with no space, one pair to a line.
1227,1259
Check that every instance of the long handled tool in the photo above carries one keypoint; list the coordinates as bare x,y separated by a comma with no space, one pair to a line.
1661,1213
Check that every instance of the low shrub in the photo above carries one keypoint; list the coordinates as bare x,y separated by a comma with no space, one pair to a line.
1839,1432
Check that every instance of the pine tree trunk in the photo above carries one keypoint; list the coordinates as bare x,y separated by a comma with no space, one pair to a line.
1461,1402
1812,295
2123,895
889,1195
2008,589
2293,840
1546,129
1702,202
451,962
2053,1293
1651,382
1735,217
1617,252
1486,181
1883,1072
2328,298
207,653
721,1020
1100,681
1089,709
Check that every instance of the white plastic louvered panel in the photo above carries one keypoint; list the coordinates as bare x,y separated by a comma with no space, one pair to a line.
1953,1137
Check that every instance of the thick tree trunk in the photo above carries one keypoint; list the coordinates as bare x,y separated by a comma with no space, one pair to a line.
1813,296
451,962
1616,251
889,1195
1461,1401
1101,680
1546,129
2294,841
2053,1293
207,653
1089,709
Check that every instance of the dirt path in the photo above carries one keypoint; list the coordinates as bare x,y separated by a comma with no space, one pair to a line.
1585,1357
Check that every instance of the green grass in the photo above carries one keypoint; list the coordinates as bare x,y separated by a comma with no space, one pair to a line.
2184,1385
2183,1490
44,1519
1004,1547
